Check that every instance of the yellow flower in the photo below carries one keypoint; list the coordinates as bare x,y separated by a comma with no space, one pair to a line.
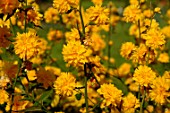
51,15
7,6
160,90
65,5
97,2
124,69
4,96
31,75
65,84
148,13
138,56
72,35
54,35
163,58
132,13
27,45
55,70
165,31
97,43
112,95
98,15
144,75
32,16
154,38
126,49
157,10
75,53
130,103
4,80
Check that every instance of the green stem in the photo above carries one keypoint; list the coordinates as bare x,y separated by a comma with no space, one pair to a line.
81,18
12,28
139,31
143,100
86,95
109,46
25,18
85,65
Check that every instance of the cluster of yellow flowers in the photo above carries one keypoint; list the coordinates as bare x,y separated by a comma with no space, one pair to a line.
62,60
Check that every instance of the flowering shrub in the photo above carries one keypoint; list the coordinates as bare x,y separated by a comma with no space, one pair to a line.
84,56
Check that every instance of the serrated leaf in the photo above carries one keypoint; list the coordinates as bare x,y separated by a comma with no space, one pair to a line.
120,85
78,96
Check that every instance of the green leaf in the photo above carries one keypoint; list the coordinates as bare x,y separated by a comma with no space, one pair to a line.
120,85
45,95
78,96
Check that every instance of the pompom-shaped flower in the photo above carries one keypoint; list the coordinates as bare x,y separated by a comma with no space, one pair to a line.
51,15
130,103
154,38
75,53
160,90
98,15
65,84
126,49
111,95
72,35
7,6
65,5
144,75
27,45
132,13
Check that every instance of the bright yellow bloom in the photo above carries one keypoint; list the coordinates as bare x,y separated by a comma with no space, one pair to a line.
51,15
154,38
132,13
98,15
55,70
65,84
4,79
97,2
32,16
112,95
157,10
130,103
27,45
163,58
54,35
165,31
148,13
75,53
138,56
97,43
31,75
126,49
65,5
72,35
160,90
144,75
7,6
4,96
124,69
